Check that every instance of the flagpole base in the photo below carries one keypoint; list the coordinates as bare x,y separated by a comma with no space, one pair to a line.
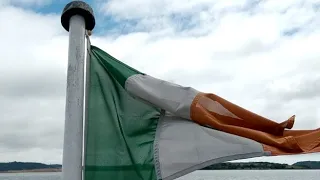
78,8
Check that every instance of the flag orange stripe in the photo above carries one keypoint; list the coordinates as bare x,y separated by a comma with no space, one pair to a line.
275,137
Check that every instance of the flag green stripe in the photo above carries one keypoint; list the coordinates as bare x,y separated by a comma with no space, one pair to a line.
120,168
118,69
120,128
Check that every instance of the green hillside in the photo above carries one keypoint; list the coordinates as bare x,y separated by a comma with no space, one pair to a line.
308,164
19,166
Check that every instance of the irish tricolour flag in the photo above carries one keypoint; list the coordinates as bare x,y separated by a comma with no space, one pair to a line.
143,128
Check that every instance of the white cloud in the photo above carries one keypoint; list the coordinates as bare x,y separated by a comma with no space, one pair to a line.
239,51
206,15
26,2
128,9
32,85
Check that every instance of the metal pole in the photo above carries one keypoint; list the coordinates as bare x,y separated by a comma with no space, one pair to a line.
86,100
77,16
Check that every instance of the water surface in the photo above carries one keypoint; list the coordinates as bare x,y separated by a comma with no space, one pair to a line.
199,175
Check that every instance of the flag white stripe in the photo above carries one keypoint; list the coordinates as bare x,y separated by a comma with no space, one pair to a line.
184,146
165,95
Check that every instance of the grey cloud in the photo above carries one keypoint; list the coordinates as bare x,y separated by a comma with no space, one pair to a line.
250,47
307,89
35,84
17,141
37,138
282,105
297,89
189,78
34,123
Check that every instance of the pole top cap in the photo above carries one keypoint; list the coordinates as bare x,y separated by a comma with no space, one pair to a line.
78,8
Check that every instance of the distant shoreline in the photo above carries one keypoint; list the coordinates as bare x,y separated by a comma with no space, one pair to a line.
59,170
32,167
32,170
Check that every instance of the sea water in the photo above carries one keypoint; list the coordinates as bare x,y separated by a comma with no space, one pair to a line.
199,175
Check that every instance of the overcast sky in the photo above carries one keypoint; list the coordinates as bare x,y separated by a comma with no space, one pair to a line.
261,55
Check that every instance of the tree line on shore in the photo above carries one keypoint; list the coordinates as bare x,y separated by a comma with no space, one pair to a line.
264,165
31,166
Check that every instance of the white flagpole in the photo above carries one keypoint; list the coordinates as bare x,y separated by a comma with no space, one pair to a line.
77,17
